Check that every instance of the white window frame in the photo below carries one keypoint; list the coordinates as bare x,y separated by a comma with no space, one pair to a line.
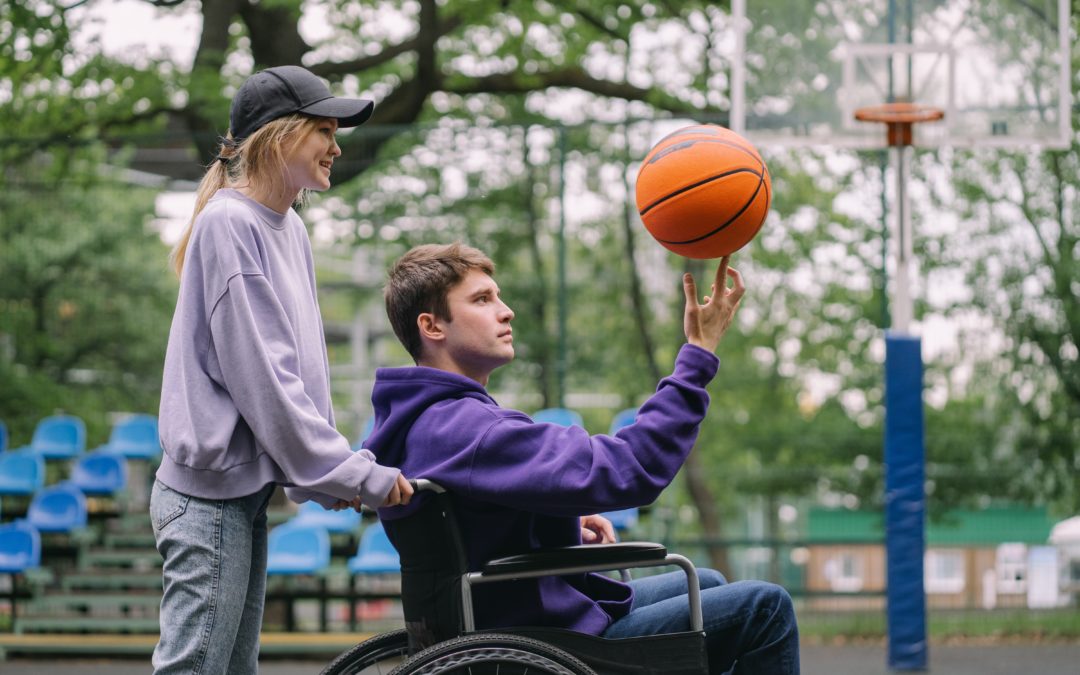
937,578
844,572
1011,567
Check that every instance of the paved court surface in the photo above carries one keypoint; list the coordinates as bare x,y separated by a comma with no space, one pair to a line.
1049,659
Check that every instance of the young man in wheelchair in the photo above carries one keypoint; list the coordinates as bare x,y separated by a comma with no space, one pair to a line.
521,485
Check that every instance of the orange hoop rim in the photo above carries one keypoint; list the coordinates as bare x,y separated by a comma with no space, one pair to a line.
899,113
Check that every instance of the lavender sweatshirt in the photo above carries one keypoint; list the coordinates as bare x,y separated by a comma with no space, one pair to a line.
521,485
245,397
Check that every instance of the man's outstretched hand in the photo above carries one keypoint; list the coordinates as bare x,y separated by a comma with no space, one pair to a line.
704,324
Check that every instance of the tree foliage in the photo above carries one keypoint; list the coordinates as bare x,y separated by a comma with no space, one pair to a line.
84,305
510,124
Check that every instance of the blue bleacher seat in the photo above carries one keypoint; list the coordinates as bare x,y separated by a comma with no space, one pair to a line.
369,426
60,508
622,419
20,547
134,437
100,473
375,554
297,549
58,437
21,472
3,436
561,416
314,515
20,552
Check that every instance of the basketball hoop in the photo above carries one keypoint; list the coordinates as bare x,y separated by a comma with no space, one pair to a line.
899,118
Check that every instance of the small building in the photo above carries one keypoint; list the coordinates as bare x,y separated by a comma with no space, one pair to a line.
973,559
1065,537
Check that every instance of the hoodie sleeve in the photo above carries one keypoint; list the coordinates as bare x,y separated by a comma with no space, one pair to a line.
563,471
258,361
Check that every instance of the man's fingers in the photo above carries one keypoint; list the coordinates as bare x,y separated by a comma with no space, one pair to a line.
738,287
690,288
720,282
609,533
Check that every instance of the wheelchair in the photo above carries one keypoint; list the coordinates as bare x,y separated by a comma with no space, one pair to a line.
441,635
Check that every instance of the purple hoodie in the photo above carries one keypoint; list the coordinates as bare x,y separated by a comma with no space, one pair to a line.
521,485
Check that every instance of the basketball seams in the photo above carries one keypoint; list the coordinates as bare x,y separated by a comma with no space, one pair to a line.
698,184
726,224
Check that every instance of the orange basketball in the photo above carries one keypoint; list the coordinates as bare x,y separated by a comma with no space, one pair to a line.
703,191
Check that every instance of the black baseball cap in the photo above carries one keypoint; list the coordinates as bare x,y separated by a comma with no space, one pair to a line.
284,90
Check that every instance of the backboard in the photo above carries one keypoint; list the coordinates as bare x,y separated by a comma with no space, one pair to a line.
1000,69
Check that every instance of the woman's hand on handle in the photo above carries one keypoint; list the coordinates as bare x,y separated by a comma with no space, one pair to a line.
401,493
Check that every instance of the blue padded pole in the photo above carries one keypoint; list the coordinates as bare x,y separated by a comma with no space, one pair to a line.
905,502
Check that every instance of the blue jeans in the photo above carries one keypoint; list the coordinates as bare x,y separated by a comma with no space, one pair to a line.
214,580
749,625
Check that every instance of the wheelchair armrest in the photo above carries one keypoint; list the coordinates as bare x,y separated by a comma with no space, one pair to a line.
573,557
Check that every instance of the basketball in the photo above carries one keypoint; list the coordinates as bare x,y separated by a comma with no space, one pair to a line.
703,191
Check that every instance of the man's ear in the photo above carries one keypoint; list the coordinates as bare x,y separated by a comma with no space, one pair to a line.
430,327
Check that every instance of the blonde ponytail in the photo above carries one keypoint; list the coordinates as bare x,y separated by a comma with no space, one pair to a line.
214,179
258,159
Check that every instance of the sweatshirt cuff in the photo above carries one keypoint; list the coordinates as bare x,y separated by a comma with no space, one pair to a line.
300,495
376,487
696,365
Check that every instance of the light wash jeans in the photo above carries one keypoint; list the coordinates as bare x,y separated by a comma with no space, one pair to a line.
749,625
214,580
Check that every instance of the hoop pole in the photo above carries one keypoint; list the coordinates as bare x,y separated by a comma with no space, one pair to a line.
905,503
902,303
904,452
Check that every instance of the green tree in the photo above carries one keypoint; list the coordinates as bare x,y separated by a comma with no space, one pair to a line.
1024,279
85,301
516,126
421,60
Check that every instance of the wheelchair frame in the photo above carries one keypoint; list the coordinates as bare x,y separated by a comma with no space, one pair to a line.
550,650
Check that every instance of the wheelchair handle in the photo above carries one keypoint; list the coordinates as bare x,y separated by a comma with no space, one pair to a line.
425,485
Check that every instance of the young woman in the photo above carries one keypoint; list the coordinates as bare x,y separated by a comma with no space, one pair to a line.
245,401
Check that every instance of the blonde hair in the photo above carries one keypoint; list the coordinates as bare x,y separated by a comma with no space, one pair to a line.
258,160
419,281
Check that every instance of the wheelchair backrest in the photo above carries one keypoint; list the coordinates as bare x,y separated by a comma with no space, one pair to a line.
432,563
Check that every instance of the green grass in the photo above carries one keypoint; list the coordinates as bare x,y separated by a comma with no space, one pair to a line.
1056,624
1018,624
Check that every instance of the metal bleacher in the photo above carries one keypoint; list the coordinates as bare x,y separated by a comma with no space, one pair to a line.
97,589
102,598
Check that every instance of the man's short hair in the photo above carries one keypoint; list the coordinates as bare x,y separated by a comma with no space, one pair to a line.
419,282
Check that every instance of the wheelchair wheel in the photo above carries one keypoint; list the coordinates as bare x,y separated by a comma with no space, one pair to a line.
376,656
491,653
